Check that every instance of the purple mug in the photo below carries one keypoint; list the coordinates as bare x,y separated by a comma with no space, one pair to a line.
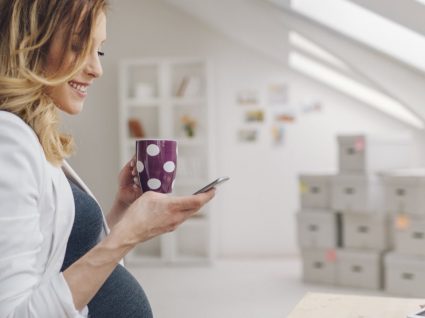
156,164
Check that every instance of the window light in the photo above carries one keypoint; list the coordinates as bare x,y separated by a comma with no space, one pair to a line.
354,89
368,27
298,41
421,1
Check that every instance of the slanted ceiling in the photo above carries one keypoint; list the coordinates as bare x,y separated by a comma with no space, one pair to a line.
263,25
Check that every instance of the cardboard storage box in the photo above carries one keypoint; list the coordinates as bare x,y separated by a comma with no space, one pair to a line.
405,275
366,231
358,268
357,193
318,229
364,154
409,234
319,266
405,191
315,191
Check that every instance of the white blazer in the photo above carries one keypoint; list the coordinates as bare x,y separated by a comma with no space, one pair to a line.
36,217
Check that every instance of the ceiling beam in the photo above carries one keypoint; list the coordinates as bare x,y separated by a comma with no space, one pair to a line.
394,79
408,13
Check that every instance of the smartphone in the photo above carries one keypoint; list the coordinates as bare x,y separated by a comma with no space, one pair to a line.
212,185
419,314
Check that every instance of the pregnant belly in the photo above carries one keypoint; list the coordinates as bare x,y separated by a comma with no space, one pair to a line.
121,296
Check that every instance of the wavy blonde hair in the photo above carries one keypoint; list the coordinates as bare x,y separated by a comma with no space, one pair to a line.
27,28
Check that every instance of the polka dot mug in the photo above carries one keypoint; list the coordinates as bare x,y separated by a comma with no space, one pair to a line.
156,164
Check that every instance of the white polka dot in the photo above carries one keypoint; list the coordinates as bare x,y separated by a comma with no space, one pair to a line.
154,183
140,167
152,150
169,166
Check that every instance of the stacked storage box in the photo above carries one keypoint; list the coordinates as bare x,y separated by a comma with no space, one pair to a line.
405,200
318,229
356,200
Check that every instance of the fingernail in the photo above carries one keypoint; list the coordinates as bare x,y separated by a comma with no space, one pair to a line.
131,163
135,180
133,173
135,186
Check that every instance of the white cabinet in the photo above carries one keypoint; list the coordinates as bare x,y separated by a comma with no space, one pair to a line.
171,98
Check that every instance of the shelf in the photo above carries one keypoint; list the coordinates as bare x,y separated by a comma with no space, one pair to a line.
158,93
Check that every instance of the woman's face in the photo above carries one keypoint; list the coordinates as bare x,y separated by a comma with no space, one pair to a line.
70,96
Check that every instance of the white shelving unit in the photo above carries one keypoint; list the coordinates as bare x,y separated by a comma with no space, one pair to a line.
158,93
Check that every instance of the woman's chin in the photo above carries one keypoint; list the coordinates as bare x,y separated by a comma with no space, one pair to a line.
71,109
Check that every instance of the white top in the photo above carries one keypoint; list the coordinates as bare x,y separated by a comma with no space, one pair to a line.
36,217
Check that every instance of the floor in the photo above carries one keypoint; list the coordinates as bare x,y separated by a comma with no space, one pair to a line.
231,288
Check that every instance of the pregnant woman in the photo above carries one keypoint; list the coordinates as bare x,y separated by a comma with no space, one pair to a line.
59,255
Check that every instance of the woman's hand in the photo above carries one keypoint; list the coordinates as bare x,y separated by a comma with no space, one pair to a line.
128,184
155,213
128,191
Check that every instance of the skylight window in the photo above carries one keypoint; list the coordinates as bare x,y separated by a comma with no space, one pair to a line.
302,43
368,27
354,89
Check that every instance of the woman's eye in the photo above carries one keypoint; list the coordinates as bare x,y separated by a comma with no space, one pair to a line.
100,53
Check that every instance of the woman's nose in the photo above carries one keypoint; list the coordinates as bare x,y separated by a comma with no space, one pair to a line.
94,66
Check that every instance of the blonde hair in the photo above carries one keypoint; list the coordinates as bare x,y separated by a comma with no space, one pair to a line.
27,28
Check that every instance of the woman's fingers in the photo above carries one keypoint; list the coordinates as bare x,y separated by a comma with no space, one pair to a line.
192,203
134,176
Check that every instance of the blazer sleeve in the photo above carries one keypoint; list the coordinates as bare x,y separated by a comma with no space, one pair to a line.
22,177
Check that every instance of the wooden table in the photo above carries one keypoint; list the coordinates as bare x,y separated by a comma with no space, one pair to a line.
315,305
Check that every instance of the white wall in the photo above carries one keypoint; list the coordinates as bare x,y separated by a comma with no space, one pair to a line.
256,209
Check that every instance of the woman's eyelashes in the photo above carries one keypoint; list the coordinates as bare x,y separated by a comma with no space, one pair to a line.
100,53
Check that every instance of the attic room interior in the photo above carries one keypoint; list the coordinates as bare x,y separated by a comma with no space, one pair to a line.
313,110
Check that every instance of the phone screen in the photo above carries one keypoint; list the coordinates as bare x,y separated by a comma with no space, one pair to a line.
212,185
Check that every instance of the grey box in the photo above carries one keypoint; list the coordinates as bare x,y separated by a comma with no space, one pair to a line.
357,268
405,191
364,153
409,235
366,231
405,275
317,229
319,266
357,193
315,191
